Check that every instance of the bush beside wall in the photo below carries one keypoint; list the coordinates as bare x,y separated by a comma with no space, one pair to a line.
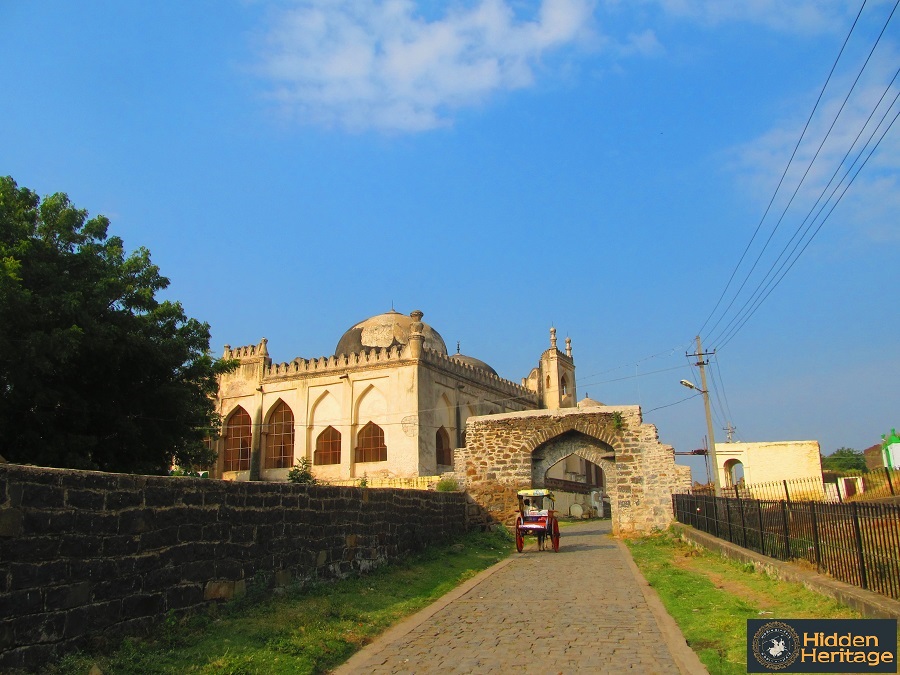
87,557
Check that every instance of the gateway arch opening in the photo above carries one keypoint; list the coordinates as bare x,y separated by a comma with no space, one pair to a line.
580,469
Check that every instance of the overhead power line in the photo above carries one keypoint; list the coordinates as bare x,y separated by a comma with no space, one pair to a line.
766,284
729,337
734,320
784,173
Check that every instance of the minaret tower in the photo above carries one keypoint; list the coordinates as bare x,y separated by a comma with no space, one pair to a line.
557,375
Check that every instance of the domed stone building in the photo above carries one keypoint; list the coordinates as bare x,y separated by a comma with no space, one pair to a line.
390,402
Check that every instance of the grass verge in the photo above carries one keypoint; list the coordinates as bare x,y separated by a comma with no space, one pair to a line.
711,598
308,629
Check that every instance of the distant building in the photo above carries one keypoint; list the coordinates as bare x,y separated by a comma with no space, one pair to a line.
766,462
890,448
874,457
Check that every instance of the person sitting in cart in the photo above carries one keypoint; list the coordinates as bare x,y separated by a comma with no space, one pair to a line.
531,508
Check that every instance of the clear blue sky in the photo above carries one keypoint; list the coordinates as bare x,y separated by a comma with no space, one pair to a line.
501,165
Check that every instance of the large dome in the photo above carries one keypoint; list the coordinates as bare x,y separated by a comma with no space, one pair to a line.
386,330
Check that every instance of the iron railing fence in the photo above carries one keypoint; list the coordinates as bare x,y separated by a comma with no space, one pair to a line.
856,542
879,483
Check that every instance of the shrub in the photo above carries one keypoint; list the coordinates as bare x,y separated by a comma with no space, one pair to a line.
447,485
301,473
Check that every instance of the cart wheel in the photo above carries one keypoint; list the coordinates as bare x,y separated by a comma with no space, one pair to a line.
520,538
554,536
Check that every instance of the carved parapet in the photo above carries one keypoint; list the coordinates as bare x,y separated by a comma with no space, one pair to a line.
467,370
248,352
379,357
338,362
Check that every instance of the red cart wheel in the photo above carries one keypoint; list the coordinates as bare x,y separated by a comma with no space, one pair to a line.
554,536
520,538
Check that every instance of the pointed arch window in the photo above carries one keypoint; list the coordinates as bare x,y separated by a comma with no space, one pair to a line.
370,446
280,439
238,439
442,443
564,386
328,447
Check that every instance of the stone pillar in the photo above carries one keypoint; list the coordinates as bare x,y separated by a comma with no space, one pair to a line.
416,335
257,441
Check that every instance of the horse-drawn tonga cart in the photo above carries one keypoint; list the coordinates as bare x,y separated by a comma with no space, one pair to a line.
536,520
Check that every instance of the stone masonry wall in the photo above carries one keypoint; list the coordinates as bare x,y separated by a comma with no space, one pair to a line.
501,451
87,556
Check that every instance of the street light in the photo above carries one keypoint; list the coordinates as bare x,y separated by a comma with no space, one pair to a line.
709,429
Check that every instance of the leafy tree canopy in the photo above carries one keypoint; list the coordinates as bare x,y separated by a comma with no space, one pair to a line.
843,460
95,372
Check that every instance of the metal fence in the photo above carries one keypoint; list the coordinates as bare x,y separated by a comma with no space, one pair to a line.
879,483
856,542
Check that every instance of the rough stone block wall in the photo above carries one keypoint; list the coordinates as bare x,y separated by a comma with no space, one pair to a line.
86,556
503,451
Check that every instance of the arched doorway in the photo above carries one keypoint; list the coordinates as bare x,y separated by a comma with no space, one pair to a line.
734,473
574,465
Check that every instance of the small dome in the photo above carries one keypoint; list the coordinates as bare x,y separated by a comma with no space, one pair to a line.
472,361
386,330
589,403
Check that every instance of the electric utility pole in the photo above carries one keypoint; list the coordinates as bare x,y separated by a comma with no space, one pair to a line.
709,425
730,429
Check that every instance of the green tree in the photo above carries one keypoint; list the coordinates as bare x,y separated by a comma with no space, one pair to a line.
843,460
95,372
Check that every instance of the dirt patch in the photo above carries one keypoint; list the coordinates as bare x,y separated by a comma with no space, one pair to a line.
691,562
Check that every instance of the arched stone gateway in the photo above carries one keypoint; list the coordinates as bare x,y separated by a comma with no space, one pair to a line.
508,452
571,443
578,444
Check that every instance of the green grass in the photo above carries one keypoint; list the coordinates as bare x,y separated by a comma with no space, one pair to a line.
304,630
711,598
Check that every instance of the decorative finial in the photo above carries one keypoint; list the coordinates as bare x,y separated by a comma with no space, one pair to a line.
552,337
569,347
416,338
457,346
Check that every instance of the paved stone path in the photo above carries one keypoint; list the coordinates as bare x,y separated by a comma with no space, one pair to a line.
583,610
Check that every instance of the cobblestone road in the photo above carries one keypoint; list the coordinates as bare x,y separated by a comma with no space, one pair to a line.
581,610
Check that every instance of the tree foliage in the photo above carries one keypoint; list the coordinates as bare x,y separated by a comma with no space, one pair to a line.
844,460
95,371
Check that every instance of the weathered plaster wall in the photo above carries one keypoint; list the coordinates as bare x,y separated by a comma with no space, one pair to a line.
506,453
85,556
344,392
450,393
771,461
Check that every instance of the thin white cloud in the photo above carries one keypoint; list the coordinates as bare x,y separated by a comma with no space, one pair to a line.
872,201
793,16
390,65
382,65
644,43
